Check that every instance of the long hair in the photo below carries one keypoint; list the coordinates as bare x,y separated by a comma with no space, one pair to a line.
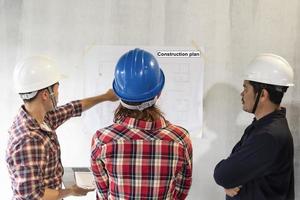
149,114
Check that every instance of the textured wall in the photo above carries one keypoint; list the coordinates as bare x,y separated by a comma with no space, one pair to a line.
231,31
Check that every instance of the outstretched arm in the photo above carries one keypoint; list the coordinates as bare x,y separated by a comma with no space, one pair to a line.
57,117
91,101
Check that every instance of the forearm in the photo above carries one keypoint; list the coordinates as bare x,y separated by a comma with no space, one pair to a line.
74,190
250,162
92,101
51,194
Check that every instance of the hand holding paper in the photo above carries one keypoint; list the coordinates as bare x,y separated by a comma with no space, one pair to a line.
85,180
78,191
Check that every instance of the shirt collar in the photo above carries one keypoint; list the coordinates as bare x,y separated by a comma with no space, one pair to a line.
281,113
29,121
141,124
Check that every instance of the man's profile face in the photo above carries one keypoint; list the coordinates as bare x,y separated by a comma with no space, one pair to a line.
248,97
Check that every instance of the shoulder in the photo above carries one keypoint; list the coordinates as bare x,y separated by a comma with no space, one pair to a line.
108,134
277,129
28,148
25,137
180,134
178,130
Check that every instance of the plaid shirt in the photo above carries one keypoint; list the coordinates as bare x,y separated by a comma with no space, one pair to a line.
33,153
135,159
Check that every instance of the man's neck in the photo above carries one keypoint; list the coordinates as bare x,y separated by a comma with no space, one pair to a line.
265,110
36,111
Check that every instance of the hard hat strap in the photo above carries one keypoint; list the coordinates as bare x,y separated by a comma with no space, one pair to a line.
140,107
257,99
52,96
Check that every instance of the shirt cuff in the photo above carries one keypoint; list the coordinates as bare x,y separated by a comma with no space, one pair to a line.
77,108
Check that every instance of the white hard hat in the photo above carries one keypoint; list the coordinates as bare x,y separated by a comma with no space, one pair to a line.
35,73
270,69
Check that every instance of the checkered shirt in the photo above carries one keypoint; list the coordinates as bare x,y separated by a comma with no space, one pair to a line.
135,159
33,152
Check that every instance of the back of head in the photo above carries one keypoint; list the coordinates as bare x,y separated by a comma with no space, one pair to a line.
138,77
138,80
35,73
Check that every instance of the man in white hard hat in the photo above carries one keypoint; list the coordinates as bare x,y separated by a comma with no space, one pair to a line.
33,153
260,166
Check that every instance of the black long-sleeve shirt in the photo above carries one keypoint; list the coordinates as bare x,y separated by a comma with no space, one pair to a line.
261,163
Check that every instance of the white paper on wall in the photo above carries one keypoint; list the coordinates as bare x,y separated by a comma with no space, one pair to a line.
181,98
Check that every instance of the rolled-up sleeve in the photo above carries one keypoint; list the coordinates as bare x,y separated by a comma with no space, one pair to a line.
58,116
27,165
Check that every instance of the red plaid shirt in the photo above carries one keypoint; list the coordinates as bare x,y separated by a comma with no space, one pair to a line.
135,159
33,153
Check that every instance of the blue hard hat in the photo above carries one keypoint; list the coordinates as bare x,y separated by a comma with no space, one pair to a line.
138,77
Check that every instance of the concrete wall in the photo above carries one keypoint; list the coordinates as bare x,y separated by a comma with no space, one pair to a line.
231,31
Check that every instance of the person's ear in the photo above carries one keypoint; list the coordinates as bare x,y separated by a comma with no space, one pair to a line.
264,94
44,94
